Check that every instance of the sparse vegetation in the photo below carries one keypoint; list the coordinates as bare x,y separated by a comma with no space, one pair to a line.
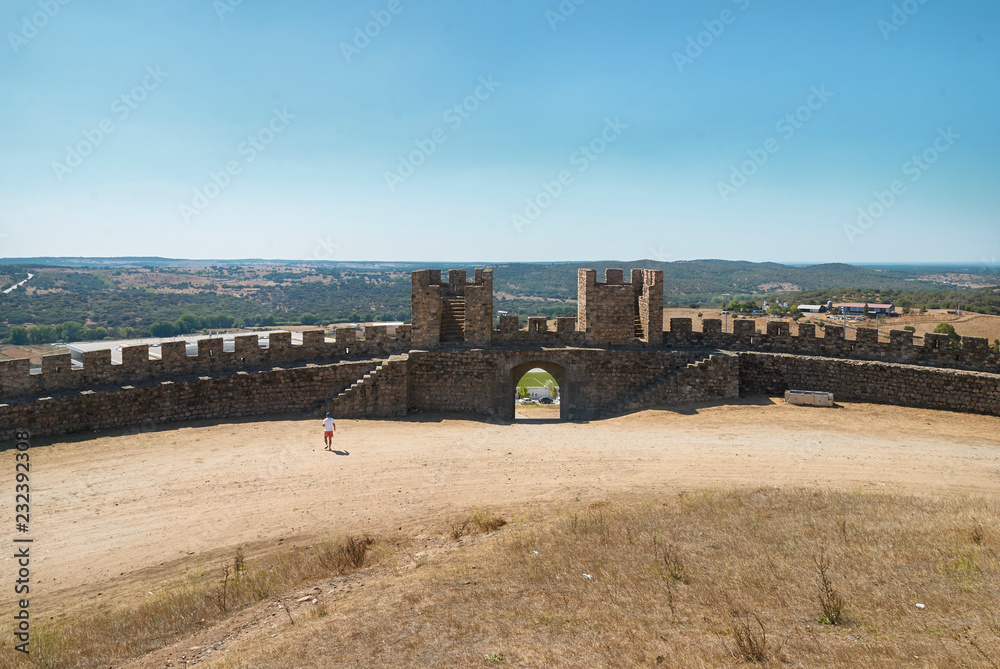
345,555
481,520
830,602
590,588
116,633
749,637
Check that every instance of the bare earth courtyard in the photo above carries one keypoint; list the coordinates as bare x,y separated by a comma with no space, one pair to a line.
110,508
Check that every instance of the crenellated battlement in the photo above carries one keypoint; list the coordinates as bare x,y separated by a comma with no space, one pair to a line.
614,317
59,374
974,353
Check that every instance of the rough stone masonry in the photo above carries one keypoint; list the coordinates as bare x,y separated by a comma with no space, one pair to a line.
615,356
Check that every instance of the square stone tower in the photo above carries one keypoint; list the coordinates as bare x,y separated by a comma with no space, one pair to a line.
457,311
647,284
616,313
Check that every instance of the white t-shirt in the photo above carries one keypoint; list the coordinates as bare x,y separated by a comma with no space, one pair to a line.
328,424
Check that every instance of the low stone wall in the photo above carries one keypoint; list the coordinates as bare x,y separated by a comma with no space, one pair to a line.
242,394
868,381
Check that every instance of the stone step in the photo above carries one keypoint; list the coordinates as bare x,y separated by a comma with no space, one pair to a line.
637,399
366,379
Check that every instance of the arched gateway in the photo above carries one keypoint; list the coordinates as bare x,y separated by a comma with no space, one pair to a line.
558,372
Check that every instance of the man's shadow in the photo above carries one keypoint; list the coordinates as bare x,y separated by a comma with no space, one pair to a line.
336,452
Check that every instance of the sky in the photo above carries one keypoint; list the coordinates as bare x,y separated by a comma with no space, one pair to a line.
501,130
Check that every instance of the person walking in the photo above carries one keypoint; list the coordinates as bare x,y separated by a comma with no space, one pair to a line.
329,427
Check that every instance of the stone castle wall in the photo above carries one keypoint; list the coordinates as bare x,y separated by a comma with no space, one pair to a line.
263,392
974,353
613,357
59,376
592,382
870,381
382,393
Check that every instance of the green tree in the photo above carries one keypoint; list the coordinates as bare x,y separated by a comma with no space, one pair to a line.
41,334
19,335
71,331
954,340
163,329
188,323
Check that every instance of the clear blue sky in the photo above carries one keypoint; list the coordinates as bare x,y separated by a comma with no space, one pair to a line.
668,121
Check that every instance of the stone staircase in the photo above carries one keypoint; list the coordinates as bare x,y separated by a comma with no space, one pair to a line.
453,319
687,384
371,396
639,334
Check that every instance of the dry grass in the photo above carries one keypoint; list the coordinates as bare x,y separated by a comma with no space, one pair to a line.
701,580
481,520
831,604
117,633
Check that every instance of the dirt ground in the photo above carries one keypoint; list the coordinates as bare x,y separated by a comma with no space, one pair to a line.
106,508
33,351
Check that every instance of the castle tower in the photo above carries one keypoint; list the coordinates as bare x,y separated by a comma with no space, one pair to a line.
457,311
647,284
616,313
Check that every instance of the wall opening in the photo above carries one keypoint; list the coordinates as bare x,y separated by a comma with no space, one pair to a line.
537,390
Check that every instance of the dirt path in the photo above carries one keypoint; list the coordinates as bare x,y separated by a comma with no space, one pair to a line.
108,507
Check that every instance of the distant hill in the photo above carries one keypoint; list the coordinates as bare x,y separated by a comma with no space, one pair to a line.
684,277
131,295
703,277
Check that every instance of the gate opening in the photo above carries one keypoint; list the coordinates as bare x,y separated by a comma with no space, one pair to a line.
536,392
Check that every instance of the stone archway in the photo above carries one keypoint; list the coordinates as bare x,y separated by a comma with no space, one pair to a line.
558,372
